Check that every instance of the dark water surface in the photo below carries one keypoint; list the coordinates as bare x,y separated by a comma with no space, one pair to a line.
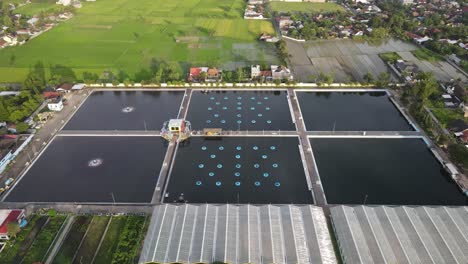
350,111
129,170
244,170
240,110
388,171
126,110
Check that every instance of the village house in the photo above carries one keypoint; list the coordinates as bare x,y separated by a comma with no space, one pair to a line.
268,38
406,67
8,216
55,104
10,40
280,73
257,74
64,87
284,23
32,21
213,75
204,74
23,32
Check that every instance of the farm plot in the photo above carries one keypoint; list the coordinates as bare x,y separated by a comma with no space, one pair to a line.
344,59
72,242
125,35
442,70
92,239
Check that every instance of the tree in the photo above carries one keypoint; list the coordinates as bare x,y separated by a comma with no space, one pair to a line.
13,229
7,20
22,127
383,80
368,77
158,75
240,74
426,85
459,154
379,33
172,71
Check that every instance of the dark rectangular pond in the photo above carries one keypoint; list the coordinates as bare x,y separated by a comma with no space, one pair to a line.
240,110
383,171
92,169
126,110
350,111
239,170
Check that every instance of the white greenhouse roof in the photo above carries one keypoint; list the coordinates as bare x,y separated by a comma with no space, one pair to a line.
238,234
401,234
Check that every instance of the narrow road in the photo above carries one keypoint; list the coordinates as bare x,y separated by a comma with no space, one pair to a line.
60,239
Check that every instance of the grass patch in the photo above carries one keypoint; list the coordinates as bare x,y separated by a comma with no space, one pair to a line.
447,115
426,54
129,240
122,241
102,37
37,251
390,57
305,7
109,244
92,239
71,243
13,245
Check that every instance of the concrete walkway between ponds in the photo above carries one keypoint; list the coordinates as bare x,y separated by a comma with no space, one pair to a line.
60,239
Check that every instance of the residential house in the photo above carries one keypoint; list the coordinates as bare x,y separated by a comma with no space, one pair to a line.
197,74
78,86
254,71
407,2
280,73
255,2
64,88
462,135
55,104
213,75
10,40
64,2
284,23
50,95
407,67
268,38
32,21
8,216
9,93
455,58
23,32
204,74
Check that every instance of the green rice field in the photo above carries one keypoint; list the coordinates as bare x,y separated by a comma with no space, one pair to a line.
36,7
305,7
126,34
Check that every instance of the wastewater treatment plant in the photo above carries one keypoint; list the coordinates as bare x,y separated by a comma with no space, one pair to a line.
225,167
